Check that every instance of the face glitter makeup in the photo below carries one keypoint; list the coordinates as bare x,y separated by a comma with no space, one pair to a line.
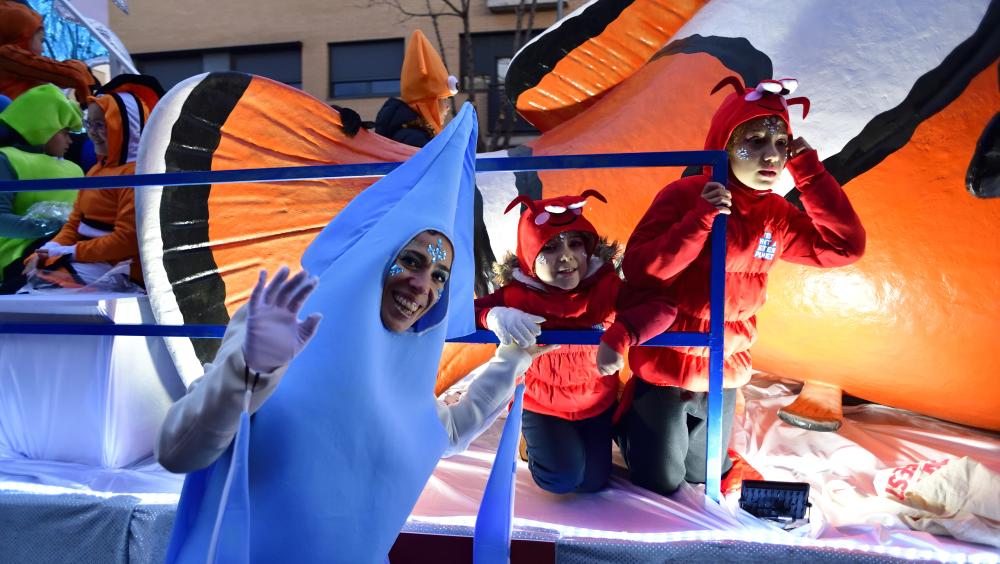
772,124
743,154
437,252
395,270
541,259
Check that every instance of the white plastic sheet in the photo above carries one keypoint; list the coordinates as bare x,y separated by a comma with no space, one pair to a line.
848,517
92,400
872,438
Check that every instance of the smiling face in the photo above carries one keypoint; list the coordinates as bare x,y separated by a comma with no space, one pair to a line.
97,129
758,150
562,262
416,280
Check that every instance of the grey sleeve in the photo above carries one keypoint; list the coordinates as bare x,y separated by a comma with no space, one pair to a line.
488,394
199,426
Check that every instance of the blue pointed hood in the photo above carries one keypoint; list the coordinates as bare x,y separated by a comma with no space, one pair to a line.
340,453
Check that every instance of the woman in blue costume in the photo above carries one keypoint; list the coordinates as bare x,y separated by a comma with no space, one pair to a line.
331,466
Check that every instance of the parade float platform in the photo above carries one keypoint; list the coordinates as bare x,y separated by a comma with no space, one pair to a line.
77,482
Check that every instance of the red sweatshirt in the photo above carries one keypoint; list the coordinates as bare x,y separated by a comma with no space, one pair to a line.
668,251
565,383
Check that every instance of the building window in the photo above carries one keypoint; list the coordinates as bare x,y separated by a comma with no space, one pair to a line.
169,69
365,69
277,62
491,56
281,62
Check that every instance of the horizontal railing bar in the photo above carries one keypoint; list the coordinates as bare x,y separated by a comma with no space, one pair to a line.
364,170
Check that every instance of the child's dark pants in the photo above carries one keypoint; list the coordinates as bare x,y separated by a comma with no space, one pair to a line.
662,435
568,456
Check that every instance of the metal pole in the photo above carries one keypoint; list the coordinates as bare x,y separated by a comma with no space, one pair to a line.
112,50
715,442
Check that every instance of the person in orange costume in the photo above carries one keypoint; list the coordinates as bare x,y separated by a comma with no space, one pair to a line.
22,65
662,435
425,88
101,228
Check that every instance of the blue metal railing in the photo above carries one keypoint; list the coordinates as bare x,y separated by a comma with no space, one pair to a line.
713,339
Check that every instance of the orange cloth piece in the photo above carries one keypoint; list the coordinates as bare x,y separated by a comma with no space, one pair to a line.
113,207
20,69
18,23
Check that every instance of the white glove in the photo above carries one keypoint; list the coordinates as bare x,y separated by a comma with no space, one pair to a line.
53,250
274,333
608,360
513,325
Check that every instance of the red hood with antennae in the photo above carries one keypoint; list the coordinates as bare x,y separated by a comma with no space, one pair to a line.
745,104
544,219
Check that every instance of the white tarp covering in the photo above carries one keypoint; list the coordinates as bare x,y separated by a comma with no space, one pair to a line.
92,400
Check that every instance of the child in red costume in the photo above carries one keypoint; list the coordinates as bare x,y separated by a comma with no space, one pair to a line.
563,278
662,433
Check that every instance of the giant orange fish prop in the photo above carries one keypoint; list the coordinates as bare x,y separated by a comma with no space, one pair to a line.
905,120
904,115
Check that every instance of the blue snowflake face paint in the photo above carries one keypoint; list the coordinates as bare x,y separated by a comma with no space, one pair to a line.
416,280
758,150
437,252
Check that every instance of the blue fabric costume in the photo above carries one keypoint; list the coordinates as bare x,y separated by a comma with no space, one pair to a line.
331,466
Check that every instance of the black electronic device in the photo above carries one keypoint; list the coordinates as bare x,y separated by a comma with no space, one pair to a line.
786,503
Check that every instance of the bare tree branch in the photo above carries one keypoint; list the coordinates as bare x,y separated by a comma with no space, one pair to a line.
449,9
507,116
409,13
458,11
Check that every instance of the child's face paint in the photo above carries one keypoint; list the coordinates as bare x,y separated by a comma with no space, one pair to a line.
562,262
758,150
415,280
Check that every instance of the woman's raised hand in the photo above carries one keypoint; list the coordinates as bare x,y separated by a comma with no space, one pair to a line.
274,333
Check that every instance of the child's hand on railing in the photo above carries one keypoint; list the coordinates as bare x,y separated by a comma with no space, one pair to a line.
513,325
608,360
717,195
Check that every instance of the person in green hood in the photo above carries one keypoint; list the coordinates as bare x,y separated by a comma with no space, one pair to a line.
34,136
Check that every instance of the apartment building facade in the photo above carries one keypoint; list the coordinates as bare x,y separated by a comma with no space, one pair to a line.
346,52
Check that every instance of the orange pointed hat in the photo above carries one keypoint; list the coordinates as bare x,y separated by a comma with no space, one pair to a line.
424,80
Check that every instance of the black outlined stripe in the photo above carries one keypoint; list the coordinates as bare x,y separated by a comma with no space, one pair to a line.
736,53
983,175
184,214
549,48
126,133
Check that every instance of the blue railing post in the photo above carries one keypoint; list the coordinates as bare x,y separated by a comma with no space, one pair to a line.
715,444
